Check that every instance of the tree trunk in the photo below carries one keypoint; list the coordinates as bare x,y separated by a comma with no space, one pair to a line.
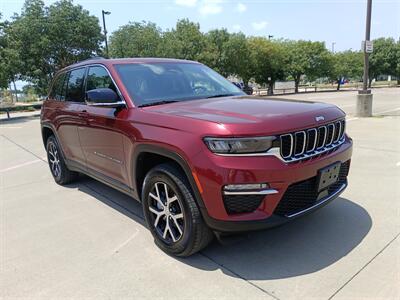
338,84
296,85
11,94
270,88
15,91
370,81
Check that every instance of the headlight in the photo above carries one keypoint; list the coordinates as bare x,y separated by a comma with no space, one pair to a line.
239,145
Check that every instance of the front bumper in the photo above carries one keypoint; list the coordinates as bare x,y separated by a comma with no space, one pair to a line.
271,170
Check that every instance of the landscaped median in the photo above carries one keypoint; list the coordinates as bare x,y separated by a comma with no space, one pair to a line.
8,107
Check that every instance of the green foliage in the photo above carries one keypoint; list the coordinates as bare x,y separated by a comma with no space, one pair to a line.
307,58
185,41
347,64
238,60
136,40
46,39
267,59
384,59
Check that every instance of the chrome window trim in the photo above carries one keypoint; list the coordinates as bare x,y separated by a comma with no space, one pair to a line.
112,79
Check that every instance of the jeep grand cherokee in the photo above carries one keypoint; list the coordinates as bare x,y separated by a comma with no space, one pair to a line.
198,153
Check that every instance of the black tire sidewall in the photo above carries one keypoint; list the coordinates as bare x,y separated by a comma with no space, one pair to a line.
52,140
162,176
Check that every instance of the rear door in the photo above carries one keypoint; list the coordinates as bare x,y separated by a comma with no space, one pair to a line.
70,100
101,137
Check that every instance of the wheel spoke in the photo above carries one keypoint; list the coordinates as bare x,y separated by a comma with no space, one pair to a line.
159,214
177,226
157,199
172,199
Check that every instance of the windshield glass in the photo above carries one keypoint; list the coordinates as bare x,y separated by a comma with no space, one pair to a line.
157,83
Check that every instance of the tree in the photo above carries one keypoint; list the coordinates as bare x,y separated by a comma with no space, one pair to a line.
238,60
184,42
136,40
347,64
383,61
306,58
47,39
268,59
214,53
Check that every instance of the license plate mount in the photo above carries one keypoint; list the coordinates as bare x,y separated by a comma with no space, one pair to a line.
328,176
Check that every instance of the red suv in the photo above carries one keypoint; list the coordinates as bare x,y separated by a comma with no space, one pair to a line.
196,151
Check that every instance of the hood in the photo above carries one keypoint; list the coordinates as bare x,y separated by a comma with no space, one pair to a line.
252,115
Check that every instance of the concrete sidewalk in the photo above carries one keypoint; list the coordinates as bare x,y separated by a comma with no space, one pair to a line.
89,241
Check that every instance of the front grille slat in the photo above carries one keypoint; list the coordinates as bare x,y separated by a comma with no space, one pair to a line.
304,144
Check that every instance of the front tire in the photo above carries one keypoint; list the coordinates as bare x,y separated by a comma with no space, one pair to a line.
61,174
171,212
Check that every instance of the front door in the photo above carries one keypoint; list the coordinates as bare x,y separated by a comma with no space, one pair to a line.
100,138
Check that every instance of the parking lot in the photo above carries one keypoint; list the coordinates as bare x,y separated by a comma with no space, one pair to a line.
87,240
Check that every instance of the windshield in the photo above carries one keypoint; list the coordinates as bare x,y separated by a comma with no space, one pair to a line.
151,84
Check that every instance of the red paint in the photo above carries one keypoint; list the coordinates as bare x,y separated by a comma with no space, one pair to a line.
180,128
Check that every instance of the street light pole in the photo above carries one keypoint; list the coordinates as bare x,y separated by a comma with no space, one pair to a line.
367,38
105,30
364,97
333,47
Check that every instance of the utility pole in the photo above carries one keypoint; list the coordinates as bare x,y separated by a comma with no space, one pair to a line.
333,47
104,28
364,97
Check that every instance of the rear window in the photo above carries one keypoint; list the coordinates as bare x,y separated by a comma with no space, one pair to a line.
75,86
57,92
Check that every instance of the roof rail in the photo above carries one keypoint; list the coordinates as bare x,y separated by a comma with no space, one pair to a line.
92,58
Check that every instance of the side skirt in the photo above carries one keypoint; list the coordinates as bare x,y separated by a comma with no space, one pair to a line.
78,167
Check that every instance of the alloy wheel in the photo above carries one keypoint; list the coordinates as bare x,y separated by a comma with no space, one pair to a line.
54,160
166,212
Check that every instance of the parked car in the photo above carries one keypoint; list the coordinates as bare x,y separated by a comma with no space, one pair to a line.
200,155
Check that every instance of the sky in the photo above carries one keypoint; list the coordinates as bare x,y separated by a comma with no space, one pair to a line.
339,23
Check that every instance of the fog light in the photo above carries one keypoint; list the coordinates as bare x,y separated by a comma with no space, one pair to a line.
245,187
249,189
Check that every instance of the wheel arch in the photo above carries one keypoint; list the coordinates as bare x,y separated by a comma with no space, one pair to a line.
159,155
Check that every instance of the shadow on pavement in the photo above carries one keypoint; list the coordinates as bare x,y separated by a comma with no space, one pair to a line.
300,247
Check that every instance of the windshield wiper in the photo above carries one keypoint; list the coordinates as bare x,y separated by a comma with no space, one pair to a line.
157,103
220,95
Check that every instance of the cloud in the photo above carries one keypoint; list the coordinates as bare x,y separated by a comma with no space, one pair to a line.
259,25
187,3
240,7
236,28
210,7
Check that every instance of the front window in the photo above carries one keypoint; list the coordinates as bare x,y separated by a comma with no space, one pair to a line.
150,84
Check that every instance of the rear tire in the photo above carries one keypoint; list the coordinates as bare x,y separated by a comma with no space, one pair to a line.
61,174
171,212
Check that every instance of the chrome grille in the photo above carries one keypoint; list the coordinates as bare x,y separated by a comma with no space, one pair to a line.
313,141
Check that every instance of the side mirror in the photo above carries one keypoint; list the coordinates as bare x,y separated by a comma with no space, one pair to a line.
104,97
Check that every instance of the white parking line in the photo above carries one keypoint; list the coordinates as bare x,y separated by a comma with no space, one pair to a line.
10,127
351,119
389,110
20,165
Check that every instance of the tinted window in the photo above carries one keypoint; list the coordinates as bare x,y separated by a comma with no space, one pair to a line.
149,83
57,92
98,78
75,85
